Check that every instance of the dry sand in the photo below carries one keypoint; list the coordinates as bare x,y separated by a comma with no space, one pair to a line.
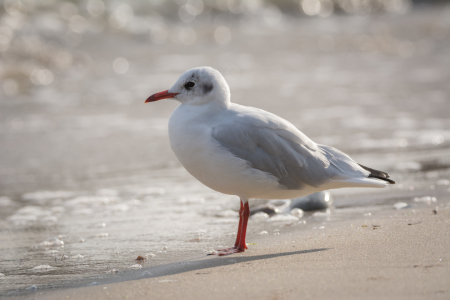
401,254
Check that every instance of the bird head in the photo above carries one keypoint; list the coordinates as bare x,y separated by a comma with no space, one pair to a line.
196,87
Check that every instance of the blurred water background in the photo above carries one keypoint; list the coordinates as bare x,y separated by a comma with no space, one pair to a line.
87,177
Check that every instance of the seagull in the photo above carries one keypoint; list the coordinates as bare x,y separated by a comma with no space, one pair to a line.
249,152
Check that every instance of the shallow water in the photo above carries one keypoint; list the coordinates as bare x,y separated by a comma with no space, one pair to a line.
87,178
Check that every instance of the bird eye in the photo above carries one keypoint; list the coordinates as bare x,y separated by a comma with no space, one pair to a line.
189,85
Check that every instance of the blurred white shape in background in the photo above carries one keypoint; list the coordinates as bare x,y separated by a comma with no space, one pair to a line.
42,77
272,15
235,6
95,7
198,5
310,7
438,139
326,8
402,143
120,65
16,8
397,6
252,5
77,23
187,13
323,8
222,35
190,10
63,59
123,14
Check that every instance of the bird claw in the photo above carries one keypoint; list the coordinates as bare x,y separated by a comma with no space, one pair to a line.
228,251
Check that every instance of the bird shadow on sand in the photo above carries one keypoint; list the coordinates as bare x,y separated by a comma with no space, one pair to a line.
194,264
202,263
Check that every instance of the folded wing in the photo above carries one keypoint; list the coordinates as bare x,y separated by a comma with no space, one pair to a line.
273,145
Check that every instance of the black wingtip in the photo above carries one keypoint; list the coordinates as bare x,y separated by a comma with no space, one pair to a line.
378,174
382,178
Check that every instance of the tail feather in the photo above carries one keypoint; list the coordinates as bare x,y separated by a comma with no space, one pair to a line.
378,174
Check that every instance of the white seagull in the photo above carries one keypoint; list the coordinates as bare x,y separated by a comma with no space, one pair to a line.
251,153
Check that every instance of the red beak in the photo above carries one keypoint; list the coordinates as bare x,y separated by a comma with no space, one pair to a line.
160,96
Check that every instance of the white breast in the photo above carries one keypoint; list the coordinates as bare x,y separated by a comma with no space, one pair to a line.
203,157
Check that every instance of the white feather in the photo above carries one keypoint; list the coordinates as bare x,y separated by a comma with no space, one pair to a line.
249,152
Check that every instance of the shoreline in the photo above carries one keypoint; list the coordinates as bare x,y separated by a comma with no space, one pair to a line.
396,254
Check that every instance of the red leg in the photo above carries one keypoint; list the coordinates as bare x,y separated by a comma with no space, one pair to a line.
238,235
239,245
242,245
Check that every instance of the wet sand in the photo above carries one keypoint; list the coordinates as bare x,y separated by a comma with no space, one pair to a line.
88,181
398,254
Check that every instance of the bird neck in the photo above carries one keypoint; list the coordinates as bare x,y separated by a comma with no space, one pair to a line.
211,107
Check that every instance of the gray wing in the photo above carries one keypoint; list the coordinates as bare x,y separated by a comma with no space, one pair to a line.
273,145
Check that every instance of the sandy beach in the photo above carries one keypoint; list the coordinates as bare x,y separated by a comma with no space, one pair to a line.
395,255
88,180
